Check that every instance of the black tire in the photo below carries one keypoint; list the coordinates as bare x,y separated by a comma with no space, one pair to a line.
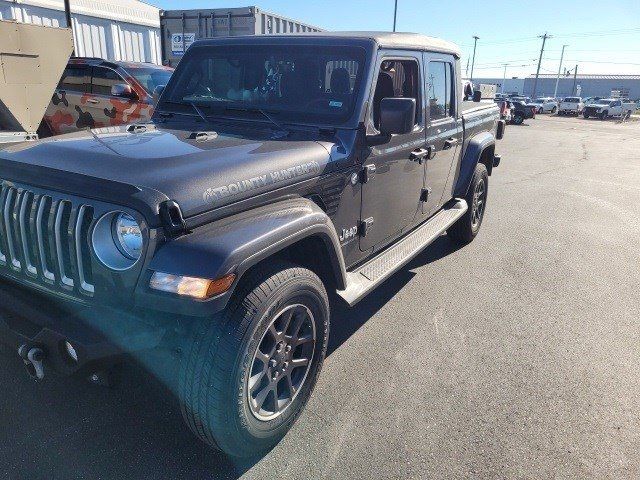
221,353
518,119
553,110
585,115
603,115
468,226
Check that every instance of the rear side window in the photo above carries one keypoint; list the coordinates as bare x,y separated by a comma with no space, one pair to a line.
440,92
103,79
73,80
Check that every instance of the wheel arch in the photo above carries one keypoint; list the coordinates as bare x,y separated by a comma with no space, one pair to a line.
480,149
296,229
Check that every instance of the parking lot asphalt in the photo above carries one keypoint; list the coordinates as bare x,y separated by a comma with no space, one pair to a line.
517,356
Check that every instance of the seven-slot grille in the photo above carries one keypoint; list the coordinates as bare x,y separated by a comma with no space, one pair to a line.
45,239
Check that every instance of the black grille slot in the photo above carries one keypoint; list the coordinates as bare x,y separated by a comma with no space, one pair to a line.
46,239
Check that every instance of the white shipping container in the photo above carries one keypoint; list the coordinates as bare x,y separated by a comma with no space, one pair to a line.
126,30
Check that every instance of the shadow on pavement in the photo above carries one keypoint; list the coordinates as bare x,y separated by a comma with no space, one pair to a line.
65,428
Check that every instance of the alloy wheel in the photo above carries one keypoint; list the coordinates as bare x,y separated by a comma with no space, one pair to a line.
281,362
478,204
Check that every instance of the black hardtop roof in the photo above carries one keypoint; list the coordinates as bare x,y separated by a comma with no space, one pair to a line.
396,40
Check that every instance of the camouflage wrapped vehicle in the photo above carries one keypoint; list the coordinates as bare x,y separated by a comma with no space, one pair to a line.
95,93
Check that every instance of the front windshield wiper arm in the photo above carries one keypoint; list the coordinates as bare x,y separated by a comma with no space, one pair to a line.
280,127
200,112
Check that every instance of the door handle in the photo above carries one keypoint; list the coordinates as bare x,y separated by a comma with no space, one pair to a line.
419,154
93,100
449,142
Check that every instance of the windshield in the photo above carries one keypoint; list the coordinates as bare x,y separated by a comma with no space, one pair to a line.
571,100
150,78
302,83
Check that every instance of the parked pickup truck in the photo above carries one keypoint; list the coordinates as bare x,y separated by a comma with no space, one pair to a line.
571,106
275,170
608,107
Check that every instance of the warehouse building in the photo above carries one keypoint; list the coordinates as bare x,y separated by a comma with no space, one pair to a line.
180,28
626,86
111,29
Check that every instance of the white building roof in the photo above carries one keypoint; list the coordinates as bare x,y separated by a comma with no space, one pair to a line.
129,11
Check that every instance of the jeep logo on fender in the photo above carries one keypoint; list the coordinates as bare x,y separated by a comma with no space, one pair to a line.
214,195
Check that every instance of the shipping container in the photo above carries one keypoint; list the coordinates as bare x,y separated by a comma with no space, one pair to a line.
180,28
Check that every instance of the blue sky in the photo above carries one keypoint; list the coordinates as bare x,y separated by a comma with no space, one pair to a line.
602,37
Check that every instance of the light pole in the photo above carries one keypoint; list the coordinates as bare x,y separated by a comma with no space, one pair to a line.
395,13
555,92
473,60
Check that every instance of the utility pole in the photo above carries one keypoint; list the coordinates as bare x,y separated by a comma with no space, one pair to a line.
67,15
555,92
473,61
535,82
575,77
504,77
466,72
395,13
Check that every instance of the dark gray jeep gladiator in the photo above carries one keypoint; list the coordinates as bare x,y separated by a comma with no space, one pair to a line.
275,172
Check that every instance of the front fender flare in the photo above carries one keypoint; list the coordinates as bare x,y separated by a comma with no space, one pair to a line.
236,243
478,144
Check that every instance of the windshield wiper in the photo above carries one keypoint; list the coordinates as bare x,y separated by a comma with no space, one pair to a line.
200,112
280,127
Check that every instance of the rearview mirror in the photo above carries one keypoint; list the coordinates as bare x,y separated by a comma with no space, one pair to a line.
122,90
157,92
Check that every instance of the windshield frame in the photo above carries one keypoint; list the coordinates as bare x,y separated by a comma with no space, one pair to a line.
244,112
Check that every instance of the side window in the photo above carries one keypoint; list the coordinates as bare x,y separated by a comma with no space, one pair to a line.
103,79
73,80
440,93
397,78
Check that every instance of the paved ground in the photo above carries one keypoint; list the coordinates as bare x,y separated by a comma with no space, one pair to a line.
517,356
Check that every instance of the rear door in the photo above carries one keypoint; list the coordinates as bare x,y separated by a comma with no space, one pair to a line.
444,128
391,196
62,115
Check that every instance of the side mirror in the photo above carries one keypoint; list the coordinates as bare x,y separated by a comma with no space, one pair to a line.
477,95
157,92
397,117
122,90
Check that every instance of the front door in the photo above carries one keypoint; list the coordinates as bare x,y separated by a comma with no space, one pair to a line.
391,196
61,115
444,129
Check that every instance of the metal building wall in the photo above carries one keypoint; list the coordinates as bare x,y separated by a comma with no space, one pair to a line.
94,36
590,87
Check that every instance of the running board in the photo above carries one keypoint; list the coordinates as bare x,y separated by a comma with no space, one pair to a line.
368,276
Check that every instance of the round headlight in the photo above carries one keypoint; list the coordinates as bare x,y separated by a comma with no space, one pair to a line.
117,240
127,235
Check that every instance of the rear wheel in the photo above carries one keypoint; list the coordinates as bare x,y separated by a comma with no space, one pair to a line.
468,226
553,110
249,372
585,114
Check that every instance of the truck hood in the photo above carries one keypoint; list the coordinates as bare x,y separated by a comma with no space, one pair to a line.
199,170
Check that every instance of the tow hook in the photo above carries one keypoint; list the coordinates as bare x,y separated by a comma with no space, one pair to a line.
32,358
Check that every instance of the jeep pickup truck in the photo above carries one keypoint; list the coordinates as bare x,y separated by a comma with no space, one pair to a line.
277,172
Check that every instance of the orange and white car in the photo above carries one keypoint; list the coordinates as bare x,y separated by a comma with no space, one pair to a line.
95,93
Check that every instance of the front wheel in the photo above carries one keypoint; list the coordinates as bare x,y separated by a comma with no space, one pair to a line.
249,372
553,110
518,119
585,115
468,226
603,115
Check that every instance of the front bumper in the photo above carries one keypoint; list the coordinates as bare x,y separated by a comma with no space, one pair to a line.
101,336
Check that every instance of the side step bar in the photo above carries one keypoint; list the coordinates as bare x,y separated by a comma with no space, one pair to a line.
368,276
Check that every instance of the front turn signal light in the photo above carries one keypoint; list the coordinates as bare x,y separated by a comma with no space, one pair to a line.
198,288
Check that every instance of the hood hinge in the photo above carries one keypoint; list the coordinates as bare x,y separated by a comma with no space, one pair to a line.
172,219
